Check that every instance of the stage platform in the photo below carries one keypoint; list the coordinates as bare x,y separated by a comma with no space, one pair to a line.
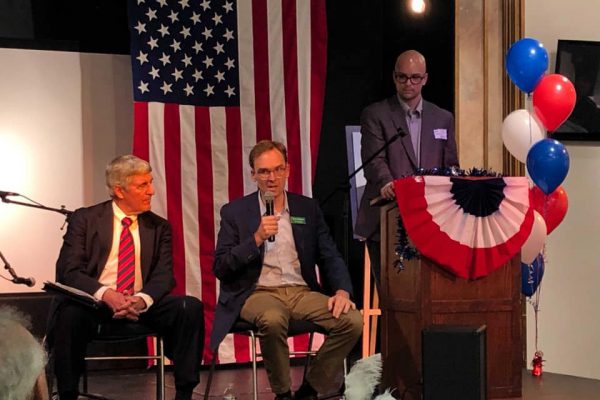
140,385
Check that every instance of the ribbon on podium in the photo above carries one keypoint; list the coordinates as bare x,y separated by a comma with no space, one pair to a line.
468,225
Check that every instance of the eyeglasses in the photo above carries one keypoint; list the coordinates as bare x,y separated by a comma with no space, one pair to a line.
265,173
414,79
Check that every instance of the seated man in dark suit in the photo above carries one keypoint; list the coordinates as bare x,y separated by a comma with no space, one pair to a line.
268,282
120,252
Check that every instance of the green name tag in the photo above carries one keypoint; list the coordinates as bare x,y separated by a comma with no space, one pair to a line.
298,220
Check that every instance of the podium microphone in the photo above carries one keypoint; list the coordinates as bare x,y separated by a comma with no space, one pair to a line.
269,197
399,134
24,281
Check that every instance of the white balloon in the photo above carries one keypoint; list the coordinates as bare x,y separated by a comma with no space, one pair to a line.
520,130
535,242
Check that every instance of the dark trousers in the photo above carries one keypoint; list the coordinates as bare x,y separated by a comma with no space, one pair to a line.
178,319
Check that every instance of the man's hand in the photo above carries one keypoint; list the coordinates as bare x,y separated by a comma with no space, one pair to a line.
123,305
268,227
340,303
132,312
387,191
115,300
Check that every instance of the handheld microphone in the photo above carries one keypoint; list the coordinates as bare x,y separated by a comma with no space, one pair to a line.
24,281
269,198
4,194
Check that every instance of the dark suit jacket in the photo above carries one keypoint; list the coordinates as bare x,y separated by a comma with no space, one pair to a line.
88,241
238,261
379,122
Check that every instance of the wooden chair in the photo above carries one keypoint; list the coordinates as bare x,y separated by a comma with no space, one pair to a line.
370,311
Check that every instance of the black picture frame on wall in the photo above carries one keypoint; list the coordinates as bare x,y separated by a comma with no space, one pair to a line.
579,61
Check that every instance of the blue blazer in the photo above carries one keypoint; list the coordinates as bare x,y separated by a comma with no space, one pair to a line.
238,261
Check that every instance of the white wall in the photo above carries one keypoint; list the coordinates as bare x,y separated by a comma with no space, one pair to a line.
569,320
63,116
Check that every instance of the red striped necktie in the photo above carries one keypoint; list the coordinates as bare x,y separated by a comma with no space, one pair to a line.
126,269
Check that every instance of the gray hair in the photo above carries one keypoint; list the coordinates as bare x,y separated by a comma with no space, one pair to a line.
22,357
122,168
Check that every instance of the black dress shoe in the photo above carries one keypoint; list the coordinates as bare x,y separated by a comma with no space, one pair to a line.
284,396
305,392
183,395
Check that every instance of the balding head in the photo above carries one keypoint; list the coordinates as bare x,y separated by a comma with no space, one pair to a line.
410,75
411,59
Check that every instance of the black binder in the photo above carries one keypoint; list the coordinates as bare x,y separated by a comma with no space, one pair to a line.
72,293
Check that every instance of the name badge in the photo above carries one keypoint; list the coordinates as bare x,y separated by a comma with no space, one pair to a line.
440,134
298,220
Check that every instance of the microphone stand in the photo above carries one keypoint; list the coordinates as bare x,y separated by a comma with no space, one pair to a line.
345,188
16,279
62,210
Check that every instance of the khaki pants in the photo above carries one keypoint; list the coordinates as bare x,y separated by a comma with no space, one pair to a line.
270,309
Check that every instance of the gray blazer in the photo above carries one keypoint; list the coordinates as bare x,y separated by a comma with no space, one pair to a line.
379,122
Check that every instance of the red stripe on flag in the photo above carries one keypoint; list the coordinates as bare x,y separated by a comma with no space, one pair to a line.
290,81
235,155
141,141
318,74
241,346
206,222
172,140
261,69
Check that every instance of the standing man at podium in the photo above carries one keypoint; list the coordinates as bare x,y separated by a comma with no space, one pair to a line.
426,141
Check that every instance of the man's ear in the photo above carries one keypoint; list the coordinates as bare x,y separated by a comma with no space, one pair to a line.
118,191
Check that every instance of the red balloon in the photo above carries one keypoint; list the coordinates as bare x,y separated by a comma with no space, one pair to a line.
553,100
552,207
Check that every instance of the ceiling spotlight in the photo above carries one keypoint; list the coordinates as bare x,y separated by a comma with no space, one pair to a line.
417,6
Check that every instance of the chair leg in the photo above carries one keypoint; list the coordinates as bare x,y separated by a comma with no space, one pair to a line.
309,355
160,374
254,369
84,378
210,374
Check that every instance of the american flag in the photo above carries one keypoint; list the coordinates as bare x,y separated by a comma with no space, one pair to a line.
210,79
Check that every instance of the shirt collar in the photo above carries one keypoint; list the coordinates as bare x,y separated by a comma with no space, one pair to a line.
406,108
120,214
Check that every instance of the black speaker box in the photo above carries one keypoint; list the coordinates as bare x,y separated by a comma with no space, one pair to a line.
454,363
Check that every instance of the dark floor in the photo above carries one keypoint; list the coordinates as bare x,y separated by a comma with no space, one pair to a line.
133,385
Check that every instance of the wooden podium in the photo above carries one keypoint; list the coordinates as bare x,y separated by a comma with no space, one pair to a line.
424,294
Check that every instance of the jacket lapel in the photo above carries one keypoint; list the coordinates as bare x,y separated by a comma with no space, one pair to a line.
104,230
427,126
399,121
147,234
296,211
253,213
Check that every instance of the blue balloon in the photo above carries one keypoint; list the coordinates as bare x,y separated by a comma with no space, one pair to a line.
526,63
531,275
548,164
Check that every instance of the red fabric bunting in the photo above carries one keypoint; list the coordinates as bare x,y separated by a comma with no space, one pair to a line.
468,225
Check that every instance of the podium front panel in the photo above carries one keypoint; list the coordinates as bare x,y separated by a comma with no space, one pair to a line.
424,294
